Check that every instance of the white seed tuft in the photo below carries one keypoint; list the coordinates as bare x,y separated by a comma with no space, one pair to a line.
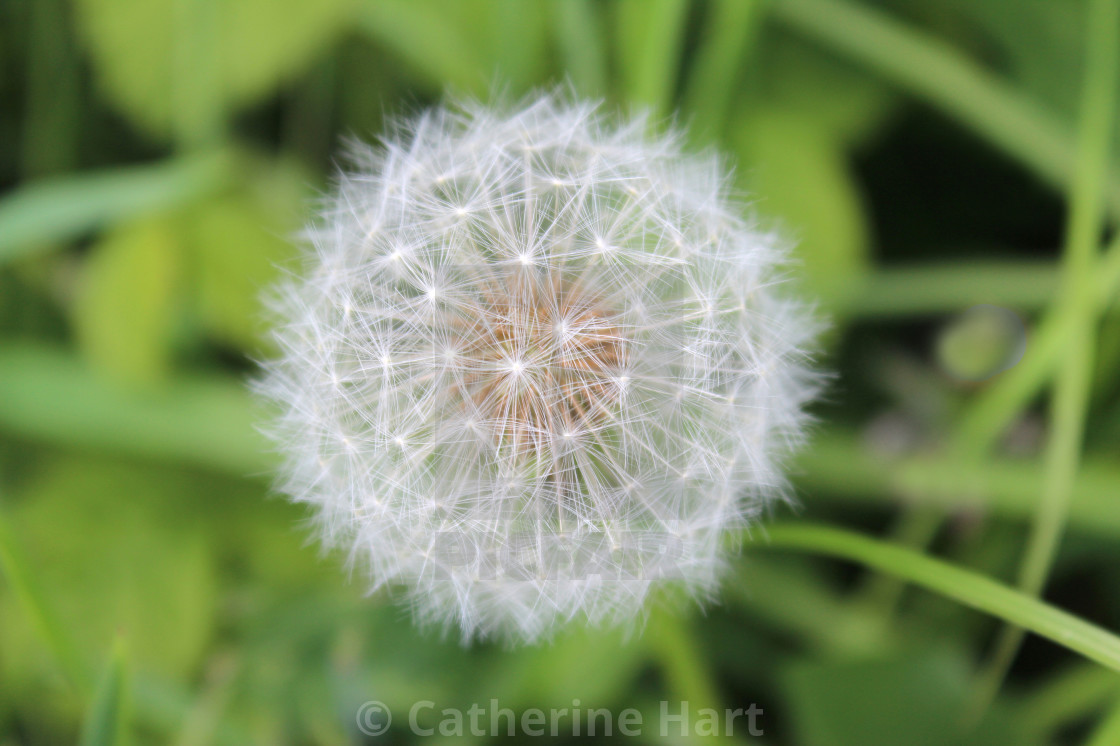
538,363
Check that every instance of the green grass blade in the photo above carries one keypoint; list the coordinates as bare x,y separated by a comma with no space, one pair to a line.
841,467
651,33
989,415
682,662
943,77
994,408
60,209
729,31
581,39
965,587
1074,381
51,395
1072,695
52,98
936,288
106,720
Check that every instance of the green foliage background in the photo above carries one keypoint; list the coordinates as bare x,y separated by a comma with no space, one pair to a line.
929,155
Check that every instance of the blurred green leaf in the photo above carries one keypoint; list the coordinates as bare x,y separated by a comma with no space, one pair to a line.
650,37
729,30
933,70
412,665
43,617
177,707
837,97
126,305
779,593
842,466
572,667
427,37
1108,732
581,39
1039,41
118,547
995,407
934,288
981,342
59,209
469,45
107,721
511,35
1073,380
914,699
204,421
173,67
235,256
687,675
1067,697
800,172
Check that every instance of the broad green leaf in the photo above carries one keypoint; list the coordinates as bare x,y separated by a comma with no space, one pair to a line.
107,720
912,700
127,301
176,67
119,548
801,179
24,586
235,246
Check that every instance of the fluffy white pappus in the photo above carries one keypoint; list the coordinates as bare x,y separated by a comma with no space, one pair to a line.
538,362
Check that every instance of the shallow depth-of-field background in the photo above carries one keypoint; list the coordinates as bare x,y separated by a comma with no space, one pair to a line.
928,155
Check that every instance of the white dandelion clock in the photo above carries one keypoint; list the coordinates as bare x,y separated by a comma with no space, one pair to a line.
537,363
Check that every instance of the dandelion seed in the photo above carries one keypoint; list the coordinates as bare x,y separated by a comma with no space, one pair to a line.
521,437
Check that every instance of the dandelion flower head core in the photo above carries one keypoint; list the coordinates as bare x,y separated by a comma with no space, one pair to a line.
537,363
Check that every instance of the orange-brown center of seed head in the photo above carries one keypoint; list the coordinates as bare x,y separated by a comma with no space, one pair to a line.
542,361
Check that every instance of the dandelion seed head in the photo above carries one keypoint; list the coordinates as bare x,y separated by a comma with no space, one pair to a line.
538,363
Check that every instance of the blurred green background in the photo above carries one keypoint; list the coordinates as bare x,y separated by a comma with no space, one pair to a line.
156,156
